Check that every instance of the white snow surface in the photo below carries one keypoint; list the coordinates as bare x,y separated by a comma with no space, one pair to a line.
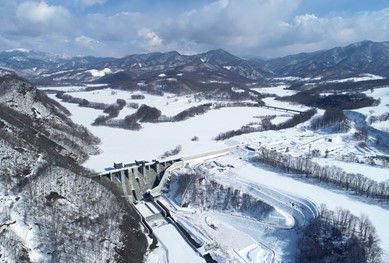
378,93
100,73
280,90
150,142
63,88
261,175
169,104
179,250
237,90
318,193
376,173
25,50
153,140
238,238
362,77
119,145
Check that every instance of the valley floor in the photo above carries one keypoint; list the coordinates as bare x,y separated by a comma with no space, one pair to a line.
254,239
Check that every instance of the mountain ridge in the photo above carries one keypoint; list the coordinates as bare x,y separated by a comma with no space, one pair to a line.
338,62
357,58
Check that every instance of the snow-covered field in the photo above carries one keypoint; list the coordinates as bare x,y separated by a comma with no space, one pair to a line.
280,90
362,77
178,251
320,194
383,95
235,238
376,173
153,140
169,104
119,145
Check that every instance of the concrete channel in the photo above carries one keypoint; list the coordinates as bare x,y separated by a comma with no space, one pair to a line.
141,181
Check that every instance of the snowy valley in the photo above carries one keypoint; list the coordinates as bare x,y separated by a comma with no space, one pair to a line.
210,215
204,158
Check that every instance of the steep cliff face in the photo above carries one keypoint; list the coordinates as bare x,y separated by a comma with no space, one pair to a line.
52,209
191,189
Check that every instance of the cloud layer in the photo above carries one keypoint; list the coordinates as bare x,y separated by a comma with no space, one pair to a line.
266,28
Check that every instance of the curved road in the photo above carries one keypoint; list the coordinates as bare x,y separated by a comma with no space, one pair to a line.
294,209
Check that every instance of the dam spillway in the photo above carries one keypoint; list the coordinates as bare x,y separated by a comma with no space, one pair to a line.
141,177
136,179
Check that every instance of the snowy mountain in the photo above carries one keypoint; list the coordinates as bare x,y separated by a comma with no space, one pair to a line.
168,71
188,72
29,63
54,210
35,65
44,69
340,62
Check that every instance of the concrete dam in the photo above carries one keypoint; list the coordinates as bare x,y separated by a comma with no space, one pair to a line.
136,179
141,177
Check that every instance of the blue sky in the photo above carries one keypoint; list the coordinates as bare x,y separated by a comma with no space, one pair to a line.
263,28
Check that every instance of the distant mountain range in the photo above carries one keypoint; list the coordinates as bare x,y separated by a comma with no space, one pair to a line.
189,72
355,59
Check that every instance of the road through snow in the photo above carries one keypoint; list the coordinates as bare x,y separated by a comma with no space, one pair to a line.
241,238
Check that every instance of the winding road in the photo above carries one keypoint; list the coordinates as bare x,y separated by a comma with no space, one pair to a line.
291,211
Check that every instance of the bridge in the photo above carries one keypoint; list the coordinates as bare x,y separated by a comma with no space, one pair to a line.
281,109
143,177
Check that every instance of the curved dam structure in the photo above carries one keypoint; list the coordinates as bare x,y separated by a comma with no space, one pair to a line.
141,177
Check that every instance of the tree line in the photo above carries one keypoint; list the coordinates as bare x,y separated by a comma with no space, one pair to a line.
339,236
304,167
151,114
338,87
172,152
144,112
81,102
266,125
313,98
383,117
332,117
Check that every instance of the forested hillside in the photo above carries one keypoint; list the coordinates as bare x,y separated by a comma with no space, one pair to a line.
53,209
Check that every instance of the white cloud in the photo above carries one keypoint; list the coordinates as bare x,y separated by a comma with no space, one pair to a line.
126,31
149,39
89,3
305,19
245,27
119,27
269,28
41,13
230,24
86,42
35,19
306,33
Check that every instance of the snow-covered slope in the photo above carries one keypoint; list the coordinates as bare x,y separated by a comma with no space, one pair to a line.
52,209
